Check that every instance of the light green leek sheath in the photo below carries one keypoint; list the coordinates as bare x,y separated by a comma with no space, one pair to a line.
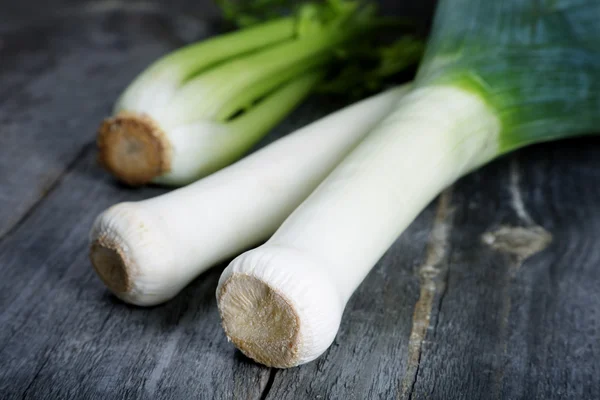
204,106
536,63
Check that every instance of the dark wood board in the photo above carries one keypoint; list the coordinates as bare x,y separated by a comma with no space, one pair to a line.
58,78
448,313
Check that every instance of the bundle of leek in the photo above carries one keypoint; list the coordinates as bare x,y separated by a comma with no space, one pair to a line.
497,75
204,106
145,252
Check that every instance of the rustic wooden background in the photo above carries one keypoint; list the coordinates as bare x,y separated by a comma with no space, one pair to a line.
471,302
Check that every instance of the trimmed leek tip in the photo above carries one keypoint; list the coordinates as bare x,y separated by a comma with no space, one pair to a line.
110,265
284,313
271,332
134,148
127,241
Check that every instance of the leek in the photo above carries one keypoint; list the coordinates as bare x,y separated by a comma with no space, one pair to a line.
497,76
145,252
204,106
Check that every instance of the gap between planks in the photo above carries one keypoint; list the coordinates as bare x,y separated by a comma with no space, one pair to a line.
434,267
267,389
519,243
48,190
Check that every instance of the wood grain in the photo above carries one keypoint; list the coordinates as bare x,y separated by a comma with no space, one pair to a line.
517,329
63,336
58,79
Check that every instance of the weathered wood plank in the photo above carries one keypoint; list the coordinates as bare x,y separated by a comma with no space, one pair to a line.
58,79
63,336
447,313
510,327
557,318
19,13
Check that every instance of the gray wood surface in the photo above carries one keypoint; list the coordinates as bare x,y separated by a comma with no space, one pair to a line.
58,78
473,301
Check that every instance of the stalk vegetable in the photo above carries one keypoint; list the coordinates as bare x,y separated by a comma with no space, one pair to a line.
496,76
147,251
204,106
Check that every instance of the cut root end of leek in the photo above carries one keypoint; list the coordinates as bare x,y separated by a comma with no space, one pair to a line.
133,147
270,332
282,311
111,265
125,243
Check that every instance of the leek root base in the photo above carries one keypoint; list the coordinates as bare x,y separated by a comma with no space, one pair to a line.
259,321
133,148
110,265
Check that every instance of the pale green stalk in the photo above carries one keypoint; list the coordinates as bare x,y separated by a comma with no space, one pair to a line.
173,124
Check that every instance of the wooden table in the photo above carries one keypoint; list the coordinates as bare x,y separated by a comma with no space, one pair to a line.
470,302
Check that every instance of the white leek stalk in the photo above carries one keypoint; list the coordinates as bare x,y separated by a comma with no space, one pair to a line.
146,252
480,93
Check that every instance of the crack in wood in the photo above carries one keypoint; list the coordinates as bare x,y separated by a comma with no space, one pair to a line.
269,385
45,193
519,243
443,285
515,193
429,273
39,370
